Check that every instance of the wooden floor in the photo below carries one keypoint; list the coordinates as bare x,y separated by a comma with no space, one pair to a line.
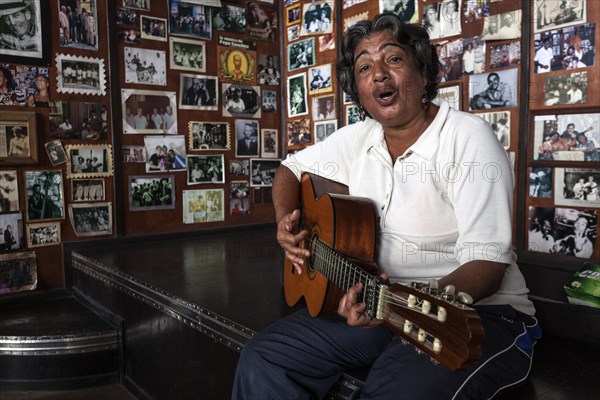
112,392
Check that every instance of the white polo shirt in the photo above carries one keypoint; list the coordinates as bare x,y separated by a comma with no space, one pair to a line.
446,201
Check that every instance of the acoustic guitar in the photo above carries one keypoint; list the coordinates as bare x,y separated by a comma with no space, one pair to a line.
341,240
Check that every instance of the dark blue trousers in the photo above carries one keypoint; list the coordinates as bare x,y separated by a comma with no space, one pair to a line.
301,357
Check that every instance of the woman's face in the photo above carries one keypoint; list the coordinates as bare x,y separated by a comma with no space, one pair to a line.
388,82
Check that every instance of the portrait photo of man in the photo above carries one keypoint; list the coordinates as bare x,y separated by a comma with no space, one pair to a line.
20,24
247,138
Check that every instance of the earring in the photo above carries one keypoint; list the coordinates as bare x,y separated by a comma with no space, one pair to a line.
425,100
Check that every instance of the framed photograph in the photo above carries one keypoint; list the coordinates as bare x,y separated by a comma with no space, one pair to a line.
187,55
91,219
127,17
566,89
261,21
18,138
43,234
577,187
87,190
500,123
301,54
299,133
269,101
293,33
320,79
502,26
540,182
141,109
45,199
190,19
11,224
317,18
89,161
239,168
209,136
82,35
241,101
133,154
204,205
153,28
24,85
246,134
9,191
292,14
450,94
236,65
148,193
327,42
56,152
324,129
552,14
18,272
568,48
352,114
473,57
267,72
198,92
137,4
407,10
297,95
269,143
78,120
263,172
493,90
567,137
80,75
229,19
350,21
323,107
29,30
239,200
165,153
206,169
504,55
145,66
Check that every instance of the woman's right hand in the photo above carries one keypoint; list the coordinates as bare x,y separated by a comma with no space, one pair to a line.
289,240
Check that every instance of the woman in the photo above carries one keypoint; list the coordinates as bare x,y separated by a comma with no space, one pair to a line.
41,96
10,95
431,22
396,158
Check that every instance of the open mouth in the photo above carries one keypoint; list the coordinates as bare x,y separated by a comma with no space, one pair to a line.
385,96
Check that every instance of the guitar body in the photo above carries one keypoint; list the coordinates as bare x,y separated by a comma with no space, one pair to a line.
345,223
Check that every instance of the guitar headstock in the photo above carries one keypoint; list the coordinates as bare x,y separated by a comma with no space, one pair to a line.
449,331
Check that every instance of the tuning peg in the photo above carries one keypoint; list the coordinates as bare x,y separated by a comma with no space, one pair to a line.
442,314
412,300
437,345
421,336
449,289
464,298
407,326
426,307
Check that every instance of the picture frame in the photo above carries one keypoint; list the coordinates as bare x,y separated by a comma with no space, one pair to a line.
292,15
299,133
43,234
554,16
301,54
236,65
56,152
556,137
297,95
206,169
198,92
324,129
22,268
247,139
179,47
83,190
11,229
320,79
45,195
500,123
324,107
147,192
241,101
269,143
145,66
153,28
68,81
39,52
179,9
352,114
79,39
141,103
205,136
261,21
91,219
203,205
18,138
9,184
133,154
263,172
74,120
89,161
317,18
508,84
451,94
165,153
577,187
137,5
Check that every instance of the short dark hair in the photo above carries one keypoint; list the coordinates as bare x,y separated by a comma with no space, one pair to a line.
410,36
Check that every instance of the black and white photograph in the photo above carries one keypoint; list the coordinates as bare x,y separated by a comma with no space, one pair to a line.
9,191
317,18
203,205
206,169
493,90
450,18
301,54
43,234
187,54
502,26
552,14
269,143
432,21
44,191
566,89
56,152
11,225
575,232
78,120
78,22
148,111
229,19
209,135
246,136
151,192
261,22
407,10
323,107
89,161
239,190
324,129
128,25
293,33
263,172
91,219
153,28
449,94
133,154
80,75
500,123
567,137
23,37
190,19
241,101
577,187
198,92
299,134
540,236
352,114
239,168
320,79
297,95
540,182
269,101
137,4
88,190
18,272
266,70
165,153
145,66
567,48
